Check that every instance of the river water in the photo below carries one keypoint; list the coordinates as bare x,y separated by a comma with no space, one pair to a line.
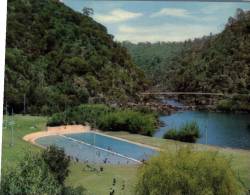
220,129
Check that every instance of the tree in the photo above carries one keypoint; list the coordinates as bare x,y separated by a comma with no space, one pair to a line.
30,177
70,48
189,173
87,11
57,161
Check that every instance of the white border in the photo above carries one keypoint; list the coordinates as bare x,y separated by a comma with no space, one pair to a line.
3,16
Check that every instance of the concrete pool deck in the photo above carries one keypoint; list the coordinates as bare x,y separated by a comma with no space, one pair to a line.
59,130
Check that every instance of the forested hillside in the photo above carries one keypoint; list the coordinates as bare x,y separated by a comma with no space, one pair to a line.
156,59
219,63
216,63
57,58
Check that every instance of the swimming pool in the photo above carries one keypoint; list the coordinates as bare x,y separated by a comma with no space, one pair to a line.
98,148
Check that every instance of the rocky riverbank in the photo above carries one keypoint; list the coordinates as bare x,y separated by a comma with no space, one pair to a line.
161,108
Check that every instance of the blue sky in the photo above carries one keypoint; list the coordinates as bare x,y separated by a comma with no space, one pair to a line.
140,21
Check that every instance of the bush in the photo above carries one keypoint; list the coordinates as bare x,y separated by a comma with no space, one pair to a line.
225,105
90,113
107,118
131,121
42,173
58,162
236,103
57,119
189,132
187,172
74,191
30,177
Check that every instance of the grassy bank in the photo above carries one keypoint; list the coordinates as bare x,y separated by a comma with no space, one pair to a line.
82,175
240,158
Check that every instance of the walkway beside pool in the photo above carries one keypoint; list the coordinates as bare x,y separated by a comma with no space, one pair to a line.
59,130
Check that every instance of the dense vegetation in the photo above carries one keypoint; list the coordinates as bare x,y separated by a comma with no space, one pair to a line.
189,132
57,58
189,173
215,63
39,174
158,60
107,118
235,103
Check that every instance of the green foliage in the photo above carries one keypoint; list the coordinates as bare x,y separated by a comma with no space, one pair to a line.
87,11
30,177
235,103
107,118
85,113
60,58
158,60
42,173
188,132
225,105
128,120
73,191
58,162
217,63
190,173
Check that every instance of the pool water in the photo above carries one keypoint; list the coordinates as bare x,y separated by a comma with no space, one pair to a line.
98,148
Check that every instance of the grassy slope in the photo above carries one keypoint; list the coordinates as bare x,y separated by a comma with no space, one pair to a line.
99,183
23,125
95,183
240,159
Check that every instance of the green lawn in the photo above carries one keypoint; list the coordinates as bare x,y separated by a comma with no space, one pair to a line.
100,183
96,183
23,125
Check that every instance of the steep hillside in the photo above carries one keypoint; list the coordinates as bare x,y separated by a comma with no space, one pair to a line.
156,59
216,63
219,63
57,58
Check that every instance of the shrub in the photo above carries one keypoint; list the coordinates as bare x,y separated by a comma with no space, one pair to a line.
225,105
189,132
57,161
236,103
188,172
131,121
90,113
74,191
107,118
57,119
42,173
30,177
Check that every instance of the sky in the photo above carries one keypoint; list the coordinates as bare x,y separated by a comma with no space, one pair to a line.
153,21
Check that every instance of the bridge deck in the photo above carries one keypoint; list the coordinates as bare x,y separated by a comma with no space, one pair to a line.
183,93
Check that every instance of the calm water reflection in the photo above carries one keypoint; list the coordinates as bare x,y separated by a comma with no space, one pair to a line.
227,130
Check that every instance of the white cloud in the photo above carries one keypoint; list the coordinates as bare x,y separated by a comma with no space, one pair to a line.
171,12
166,32
215,8
184,14
117,15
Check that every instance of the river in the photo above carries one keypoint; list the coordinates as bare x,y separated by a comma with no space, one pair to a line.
220,129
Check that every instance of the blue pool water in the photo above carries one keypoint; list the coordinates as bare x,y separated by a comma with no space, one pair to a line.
97,148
